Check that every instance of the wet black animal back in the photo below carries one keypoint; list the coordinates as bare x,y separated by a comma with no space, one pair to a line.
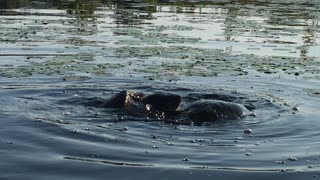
116,101
212,110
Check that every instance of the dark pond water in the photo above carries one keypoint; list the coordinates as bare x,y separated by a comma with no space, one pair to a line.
260,51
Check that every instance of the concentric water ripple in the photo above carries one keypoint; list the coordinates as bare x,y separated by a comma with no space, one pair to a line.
72,132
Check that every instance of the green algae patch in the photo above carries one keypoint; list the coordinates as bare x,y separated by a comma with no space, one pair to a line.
174,52
164,63
75,78
181,61
169,44
174,62
61,65
54,66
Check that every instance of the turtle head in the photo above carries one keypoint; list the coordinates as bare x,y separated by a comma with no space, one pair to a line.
166,102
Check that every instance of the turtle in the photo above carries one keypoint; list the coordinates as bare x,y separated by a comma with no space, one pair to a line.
163,105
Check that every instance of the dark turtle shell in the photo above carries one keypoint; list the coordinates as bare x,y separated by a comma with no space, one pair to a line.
136,103
212,110
161,105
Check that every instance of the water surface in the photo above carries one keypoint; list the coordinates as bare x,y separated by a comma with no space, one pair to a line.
264,51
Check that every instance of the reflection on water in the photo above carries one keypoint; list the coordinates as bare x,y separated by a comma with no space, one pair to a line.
7,4
198,37
289,23
55,50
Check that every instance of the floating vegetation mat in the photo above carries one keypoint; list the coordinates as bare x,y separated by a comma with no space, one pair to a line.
171,63
166,41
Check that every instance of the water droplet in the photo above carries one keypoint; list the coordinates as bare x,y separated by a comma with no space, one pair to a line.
186,159
247,131
286,104
124,129
154,137
200,140
280,162
296,108
95,113
253,114
66,113
292,159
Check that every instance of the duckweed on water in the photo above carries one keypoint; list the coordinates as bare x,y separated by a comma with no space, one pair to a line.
167,63
178,53
62,65
174,52
75,78
186,61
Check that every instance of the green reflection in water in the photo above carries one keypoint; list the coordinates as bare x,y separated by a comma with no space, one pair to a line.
73,7
11,4
269,21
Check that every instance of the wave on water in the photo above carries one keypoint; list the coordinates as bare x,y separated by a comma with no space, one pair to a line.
81,133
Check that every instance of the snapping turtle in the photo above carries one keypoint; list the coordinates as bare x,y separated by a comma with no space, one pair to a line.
162,105
211,110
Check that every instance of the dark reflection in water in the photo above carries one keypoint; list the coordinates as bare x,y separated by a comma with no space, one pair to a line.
133,14
77,6
295,14
9,4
